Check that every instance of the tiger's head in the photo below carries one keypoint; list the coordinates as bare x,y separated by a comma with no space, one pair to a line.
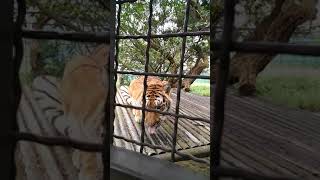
157,97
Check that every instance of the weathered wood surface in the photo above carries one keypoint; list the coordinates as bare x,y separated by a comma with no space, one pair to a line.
259,137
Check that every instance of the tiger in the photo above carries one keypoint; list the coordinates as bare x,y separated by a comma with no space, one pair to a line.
158,96
77,111
84,89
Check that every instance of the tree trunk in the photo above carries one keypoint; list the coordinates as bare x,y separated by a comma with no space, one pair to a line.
197,69
279,26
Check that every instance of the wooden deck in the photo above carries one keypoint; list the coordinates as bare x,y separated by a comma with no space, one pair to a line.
258,136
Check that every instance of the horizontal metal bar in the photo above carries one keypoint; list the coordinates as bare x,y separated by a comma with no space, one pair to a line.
125,1
249,47
247,175
99,37
57,141
166,35
163,74
164,113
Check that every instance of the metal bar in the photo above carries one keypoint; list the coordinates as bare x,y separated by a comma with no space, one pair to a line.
56,141
163,75
110,100
183,50
115,74
249,47
125,1
165,113
7,146
99,37
146,69
166,35
217,120
18,56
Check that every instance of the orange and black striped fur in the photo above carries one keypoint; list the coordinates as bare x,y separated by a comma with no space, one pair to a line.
157,97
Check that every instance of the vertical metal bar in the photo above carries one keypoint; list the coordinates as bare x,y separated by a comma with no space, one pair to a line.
146,69
183,50
216,125
110,104
116,52
15,67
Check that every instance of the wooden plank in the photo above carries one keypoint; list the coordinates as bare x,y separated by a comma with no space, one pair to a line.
298,120
258,151
299,137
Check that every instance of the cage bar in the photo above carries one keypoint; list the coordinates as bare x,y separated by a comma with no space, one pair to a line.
217,114
146,69
7,146
183,49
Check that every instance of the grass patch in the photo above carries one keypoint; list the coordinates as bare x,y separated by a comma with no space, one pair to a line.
202,89
293,91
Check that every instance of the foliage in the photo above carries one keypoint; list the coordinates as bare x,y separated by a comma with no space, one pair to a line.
165,53
293,91
79,15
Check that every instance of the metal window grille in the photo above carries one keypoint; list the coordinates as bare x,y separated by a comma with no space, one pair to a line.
226,45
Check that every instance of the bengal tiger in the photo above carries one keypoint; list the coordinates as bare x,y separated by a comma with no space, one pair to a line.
81,98
158,96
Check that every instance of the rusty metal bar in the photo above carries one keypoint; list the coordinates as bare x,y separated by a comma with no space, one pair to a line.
217,120
146,69
183,50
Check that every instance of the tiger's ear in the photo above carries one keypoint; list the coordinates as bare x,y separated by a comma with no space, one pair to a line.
167,87
101,54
